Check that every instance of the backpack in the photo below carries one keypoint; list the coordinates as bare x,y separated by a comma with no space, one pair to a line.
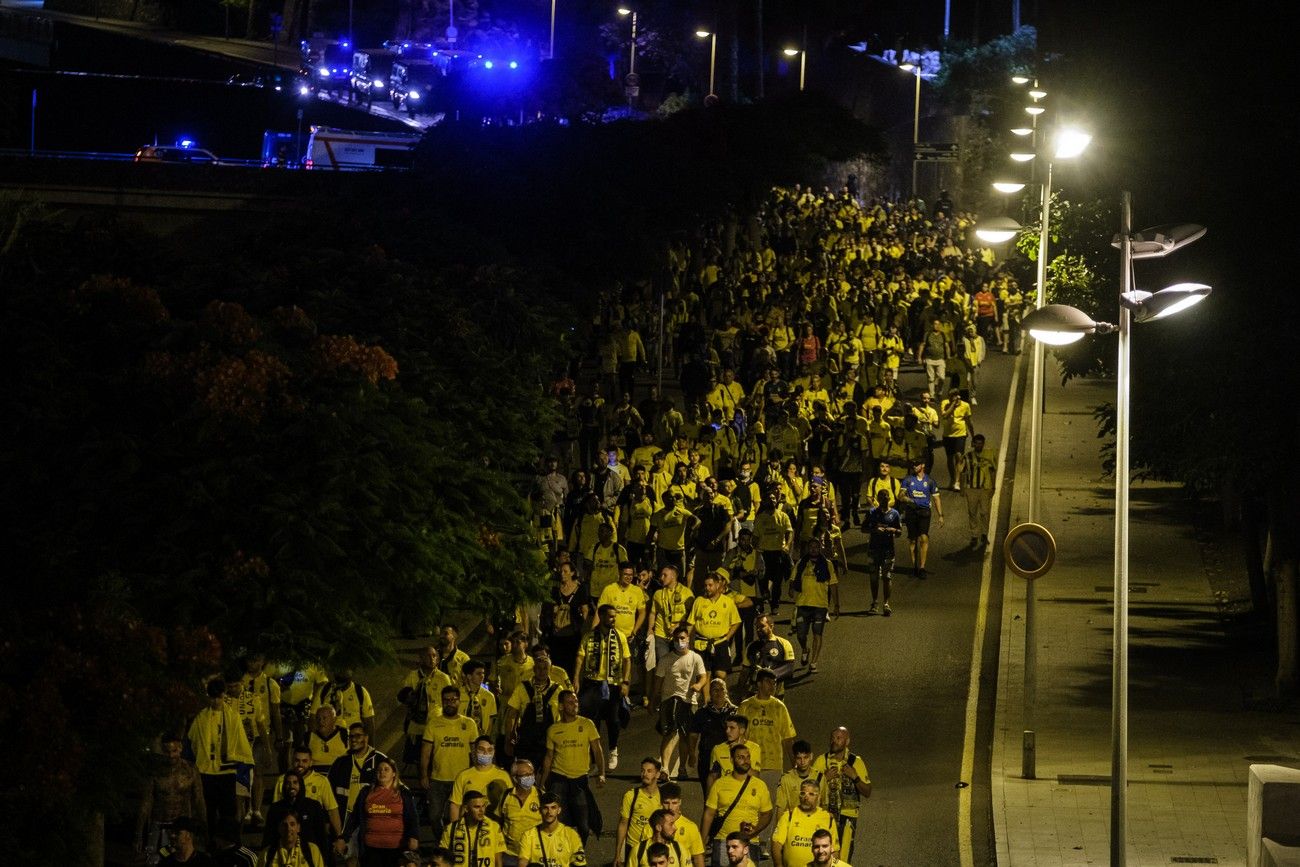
329,695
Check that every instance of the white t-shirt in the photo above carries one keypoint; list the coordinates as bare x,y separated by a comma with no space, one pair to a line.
679,671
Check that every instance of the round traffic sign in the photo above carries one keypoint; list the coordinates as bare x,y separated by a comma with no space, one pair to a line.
1029,550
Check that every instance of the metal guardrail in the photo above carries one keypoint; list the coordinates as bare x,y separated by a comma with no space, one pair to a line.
116,157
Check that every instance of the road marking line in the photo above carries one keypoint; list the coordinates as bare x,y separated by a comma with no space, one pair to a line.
964,847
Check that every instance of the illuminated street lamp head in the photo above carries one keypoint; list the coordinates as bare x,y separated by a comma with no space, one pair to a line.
1037,94
703,34
1022,156
1148,307
1061,325
1008,187
623,10
1020,78
1022,130
790,52
1159,241
997,230
1071,142
907,66
1034,109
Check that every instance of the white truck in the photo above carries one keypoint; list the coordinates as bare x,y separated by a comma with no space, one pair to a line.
358,150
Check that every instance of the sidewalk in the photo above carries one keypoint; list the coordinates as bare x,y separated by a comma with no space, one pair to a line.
1193,729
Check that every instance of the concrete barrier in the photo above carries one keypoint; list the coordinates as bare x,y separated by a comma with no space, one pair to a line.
1273,812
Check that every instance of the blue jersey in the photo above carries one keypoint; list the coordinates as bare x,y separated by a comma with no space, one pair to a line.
878,521
919,490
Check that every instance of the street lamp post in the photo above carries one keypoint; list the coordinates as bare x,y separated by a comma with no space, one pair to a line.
550,52
631,61
803,61
915,68
1059,324
713,54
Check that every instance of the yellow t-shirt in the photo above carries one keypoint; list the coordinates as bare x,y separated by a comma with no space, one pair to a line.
814,593
260,695
351,703
771,529
218,742
474,847
689,838
627,601
452,739
756,799
794,833
595,651
490,780
604,565
670,607
479,705
636,808
843,797
432,684
720,758
570,745
787,790
957,424
277,857
769,726
560,848
518,818
671,527
712,619
511,673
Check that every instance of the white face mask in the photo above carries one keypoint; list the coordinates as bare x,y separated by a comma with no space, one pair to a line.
527,782
682,645
483,759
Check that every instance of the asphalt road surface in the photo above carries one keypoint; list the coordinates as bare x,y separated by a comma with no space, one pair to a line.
900,684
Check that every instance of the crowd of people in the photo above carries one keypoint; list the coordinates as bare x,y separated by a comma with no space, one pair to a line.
677,530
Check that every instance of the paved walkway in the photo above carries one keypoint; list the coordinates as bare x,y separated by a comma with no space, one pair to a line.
1195,721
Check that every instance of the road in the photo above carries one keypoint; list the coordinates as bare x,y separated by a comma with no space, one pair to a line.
900,684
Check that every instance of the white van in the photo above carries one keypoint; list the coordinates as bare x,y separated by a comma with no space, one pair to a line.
356,150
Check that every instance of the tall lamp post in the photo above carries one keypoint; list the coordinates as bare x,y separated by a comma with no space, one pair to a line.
1058,325
802,53
631,61
713,55
550,52
909,66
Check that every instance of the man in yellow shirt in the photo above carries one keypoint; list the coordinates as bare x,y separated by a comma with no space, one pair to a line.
518,810
737,733
978,477
552,843
261,695
770,725
792,839
660,848
533,707
688,835
787,791
444,753
668,530
740,800
601,560
420,692
572,746
714,620
844,784
350,700
955,416
628,601
477,701
817,598
603,675
639,803
773,534
217,740
315,785
823,850
669,608
481,776
474,839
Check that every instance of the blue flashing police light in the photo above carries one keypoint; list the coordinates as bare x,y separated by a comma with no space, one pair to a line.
487,64
413,96
185,143
514,64
346,44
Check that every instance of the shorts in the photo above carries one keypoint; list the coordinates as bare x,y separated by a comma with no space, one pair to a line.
674,716
814,616
715,652
955,445
918,522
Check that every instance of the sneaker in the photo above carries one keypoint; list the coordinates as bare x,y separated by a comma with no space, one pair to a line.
872,609
956,486
803,660
812,668
612,764
921,573
887,611
974,402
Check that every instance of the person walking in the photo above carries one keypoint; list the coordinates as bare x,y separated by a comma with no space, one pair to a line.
884,525
978,477
921,496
